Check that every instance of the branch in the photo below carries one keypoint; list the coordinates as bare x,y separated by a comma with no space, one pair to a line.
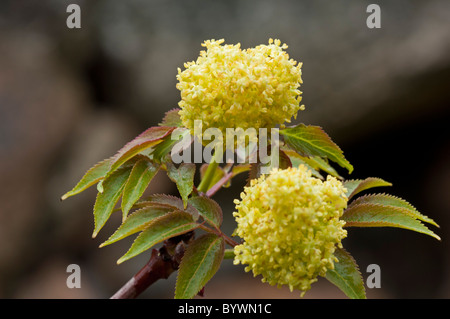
219,184
162,264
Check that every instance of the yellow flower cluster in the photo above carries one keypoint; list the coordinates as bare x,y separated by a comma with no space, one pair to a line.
229,88
290,224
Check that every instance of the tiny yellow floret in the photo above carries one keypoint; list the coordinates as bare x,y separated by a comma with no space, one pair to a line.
228,87
290,225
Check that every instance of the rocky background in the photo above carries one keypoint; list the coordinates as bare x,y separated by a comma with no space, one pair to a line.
71,97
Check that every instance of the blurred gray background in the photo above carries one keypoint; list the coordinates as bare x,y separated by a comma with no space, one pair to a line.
72,97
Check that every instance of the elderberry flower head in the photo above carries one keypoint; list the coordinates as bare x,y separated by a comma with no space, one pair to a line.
290,225
227,87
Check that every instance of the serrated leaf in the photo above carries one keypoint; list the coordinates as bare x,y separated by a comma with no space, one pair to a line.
322,165
147,139
141,175
374,215
170,201
138,221
183,177
165,147
310,141
92,176
356,186
104,204
389,200
200,262
298,160
172,118
208,209
346,275
162,228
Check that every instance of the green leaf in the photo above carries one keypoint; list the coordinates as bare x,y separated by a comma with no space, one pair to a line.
92,176
147,139
200,262
165,147
310,141
323,165
356,186
138,221
104,204
172,118
208,209
389,200
169,201
141,175
346,275
162,228
298,160
183,177
375,215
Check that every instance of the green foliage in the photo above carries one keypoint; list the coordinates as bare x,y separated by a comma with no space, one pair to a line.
392,201
160,217
315,164
161,150
200,262
92,176
376,215
382,210
145,140
183,176
208,209
159,229
140,177
104,204
310,141
357,185
172,118
138,221
346,275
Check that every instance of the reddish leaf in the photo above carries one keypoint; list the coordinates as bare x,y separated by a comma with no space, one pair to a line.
374,215
148,138
172,118
389,200
356,186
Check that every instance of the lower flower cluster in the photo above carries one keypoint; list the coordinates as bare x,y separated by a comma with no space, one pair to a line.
290,225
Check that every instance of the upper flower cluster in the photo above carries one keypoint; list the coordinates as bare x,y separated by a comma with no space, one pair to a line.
229,88
290,224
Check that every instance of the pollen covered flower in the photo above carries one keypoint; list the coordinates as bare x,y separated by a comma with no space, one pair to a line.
227,87
290,224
